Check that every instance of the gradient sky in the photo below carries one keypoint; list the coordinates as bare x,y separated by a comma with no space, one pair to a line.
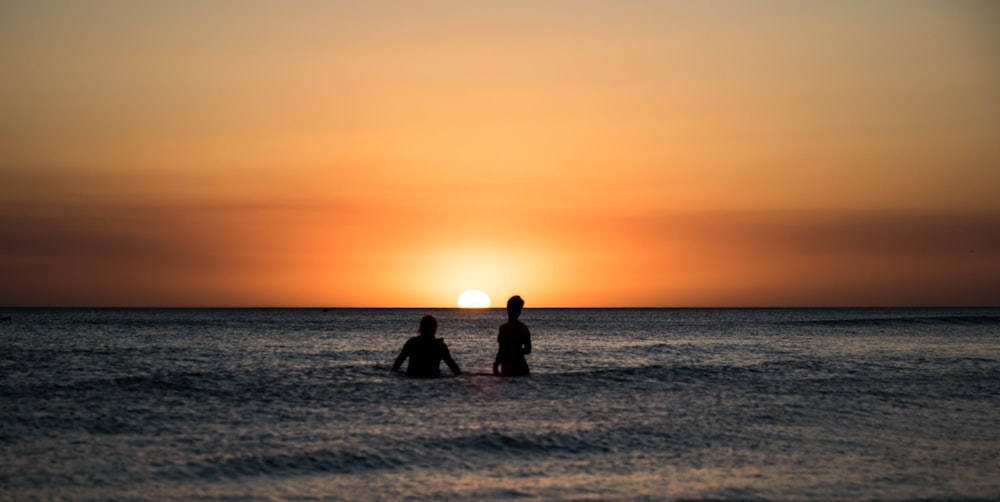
579,153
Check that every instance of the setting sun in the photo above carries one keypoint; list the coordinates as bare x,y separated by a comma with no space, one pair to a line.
473,299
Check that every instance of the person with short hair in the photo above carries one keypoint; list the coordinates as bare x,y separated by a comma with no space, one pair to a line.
514,341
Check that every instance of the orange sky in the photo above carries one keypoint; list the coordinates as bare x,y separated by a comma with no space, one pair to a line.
579,153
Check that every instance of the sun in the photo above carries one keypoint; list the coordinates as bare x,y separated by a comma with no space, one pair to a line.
473,299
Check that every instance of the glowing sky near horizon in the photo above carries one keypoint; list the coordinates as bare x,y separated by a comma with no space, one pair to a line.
578,153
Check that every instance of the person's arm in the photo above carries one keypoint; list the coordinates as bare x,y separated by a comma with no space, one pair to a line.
496,361
403,354
527,342
452,365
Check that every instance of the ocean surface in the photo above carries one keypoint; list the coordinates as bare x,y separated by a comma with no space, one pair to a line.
622,404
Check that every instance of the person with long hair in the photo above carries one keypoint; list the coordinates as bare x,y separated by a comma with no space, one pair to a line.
426,352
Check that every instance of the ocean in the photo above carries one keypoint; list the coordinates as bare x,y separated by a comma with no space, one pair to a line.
622,404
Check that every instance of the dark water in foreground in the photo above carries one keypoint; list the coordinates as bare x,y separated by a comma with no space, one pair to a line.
817,404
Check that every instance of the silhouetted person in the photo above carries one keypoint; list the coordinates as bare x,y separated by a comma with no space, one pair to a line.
426,352
515,342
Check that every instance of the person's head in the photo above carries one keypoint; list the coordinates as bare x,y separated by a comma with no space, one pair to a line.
428,325
514,306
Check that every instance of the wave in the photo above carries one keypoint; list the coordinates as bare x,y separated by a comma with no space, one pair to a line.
885,322
970,376
364,457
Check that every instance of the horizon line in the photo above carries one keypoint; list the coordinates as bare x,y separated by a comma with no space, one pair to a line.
706,307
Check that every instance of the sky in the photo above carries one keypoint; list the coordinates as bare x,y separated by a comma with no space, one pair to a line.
578,153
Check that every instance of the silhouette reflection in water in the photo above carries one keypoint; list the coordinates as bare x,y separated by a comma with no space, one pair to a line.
515,342
425,352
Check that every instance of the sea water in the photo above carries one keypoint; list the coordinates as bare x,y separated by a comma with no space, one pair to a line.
622,404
